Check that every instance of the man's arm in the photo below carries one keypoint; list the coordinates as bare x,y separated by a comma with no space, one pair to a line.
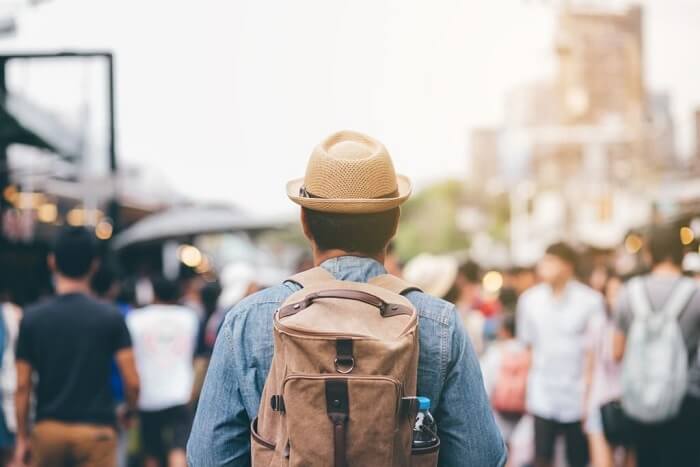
220,433
467,430
24,390
619,344
130,377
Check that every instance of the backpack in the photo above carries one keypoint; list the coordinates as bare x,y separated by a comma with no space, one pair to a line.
655,366
342,384
509,393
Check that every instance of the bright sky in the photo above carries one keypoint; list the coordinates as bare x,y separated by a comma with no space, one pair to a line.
227,99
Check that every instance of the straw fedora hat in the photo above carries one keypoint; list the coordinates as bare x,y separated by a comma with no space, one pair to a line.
433,274
351,173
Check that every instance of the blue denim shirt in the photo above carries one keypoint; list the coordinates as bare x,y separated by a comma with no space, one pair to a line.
448,373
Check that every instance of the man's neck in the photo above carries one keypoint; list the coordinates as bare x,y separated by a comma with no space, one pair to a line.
321,256
66,285
667,268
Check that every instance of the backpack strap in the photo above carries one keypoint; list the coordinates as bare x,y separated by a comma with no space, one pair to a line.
394,284
680,296
639,300
311,277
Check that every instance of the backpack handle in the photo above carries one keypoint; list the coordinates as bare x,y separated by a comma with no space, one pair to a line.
387,310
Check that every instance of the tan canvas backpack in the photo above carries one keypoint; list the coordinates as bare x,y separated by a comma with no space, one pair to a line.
342,377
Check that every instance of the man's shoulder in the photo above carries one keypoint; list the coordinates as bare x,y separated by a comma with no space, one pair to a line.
586,293
533,293
432,308
266,299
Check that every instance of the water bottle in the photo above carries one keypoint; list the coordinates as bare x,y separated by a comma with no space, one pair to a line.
424,430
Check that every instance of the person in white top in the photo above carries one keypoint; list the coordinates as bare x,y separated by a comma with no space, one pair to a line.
11,316
164,337
552,321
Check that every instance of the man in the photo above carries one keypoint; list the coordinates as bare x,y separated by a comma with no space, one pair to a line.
470,305
69,341
350,201
164,335
674,442
553,318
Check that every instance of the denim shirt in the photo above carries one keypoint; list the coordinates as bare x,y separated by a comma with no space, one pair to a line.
448,373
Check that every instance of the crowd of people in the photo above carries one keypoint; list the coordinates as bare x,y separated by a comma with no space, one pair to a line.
553,367
576,369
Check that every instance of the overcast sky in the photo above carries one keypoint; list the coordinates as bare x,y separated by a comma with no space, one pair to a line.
226,99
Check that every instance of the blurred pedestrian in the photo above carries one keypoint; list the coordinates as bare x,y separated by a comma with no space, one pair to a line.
10,317
671,303
505,366
603,374
69,341
552,322
208,329
438,276
691,265
520,279
164,336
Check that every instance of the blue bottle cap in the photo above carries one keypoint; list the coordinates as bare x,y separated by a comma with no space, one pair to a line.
423,403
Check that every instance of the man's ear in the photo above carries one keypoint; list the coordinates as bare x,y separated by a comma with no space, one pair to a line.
51,261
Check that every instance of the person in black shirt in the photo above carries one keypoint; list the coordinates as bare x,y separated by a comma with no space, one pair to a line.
70,341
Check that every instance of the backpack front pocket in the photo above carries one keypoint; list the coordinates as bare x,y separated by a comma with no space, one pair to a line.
337,421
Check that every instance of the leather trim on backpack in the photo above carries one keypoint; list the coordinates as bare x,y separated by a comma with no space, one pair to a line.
256,436
387,310
338,407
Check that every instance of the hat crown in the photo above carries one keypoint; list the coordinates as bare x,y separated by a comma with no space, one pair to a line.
350,165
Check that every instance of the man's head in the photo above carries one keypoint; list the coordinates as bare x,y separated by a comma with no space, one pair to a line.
166,290
350,195
665,246
73,255
365,234
506,329
558,264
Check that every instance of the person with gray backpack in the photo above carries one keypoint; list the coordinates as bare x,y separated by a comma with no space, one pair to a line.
658,328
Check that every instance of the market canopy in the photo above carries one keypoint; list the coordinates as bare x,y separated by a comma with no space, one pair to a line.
188,221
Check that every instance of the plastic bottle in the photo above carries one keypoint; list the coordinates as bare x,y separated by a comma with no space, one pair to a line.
424,430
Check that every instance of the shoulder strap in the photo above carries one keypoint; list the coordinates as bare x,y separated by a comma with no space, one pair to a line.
680,296
310,277
639,300
393,284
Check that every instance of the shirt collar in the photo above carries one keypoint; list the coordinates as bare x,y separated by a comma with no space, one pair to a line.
353,268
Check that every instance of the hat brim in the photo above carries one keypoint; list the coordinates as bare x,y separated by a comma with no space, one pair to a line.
352,205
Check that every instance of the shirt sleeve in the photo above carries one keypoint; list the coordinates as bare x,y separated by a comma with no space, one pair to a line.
220,433
467,430
122,338
24,349
622,313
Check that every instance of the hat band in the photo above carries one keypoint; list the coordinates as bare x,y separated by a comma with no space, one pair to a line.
304,193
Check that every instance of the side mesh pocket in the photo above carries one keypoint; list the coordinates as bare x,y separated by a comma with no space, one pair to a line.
425,457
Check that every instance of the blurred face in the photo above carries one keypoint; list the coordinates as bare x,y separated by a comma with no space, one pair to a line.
553,270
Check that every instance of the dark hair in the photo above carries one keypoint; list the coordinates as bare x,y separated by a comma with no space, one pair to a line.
564,252
104,279
471,272
74,252
361,233
508,298
210,297
165,290
508,322
665,245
